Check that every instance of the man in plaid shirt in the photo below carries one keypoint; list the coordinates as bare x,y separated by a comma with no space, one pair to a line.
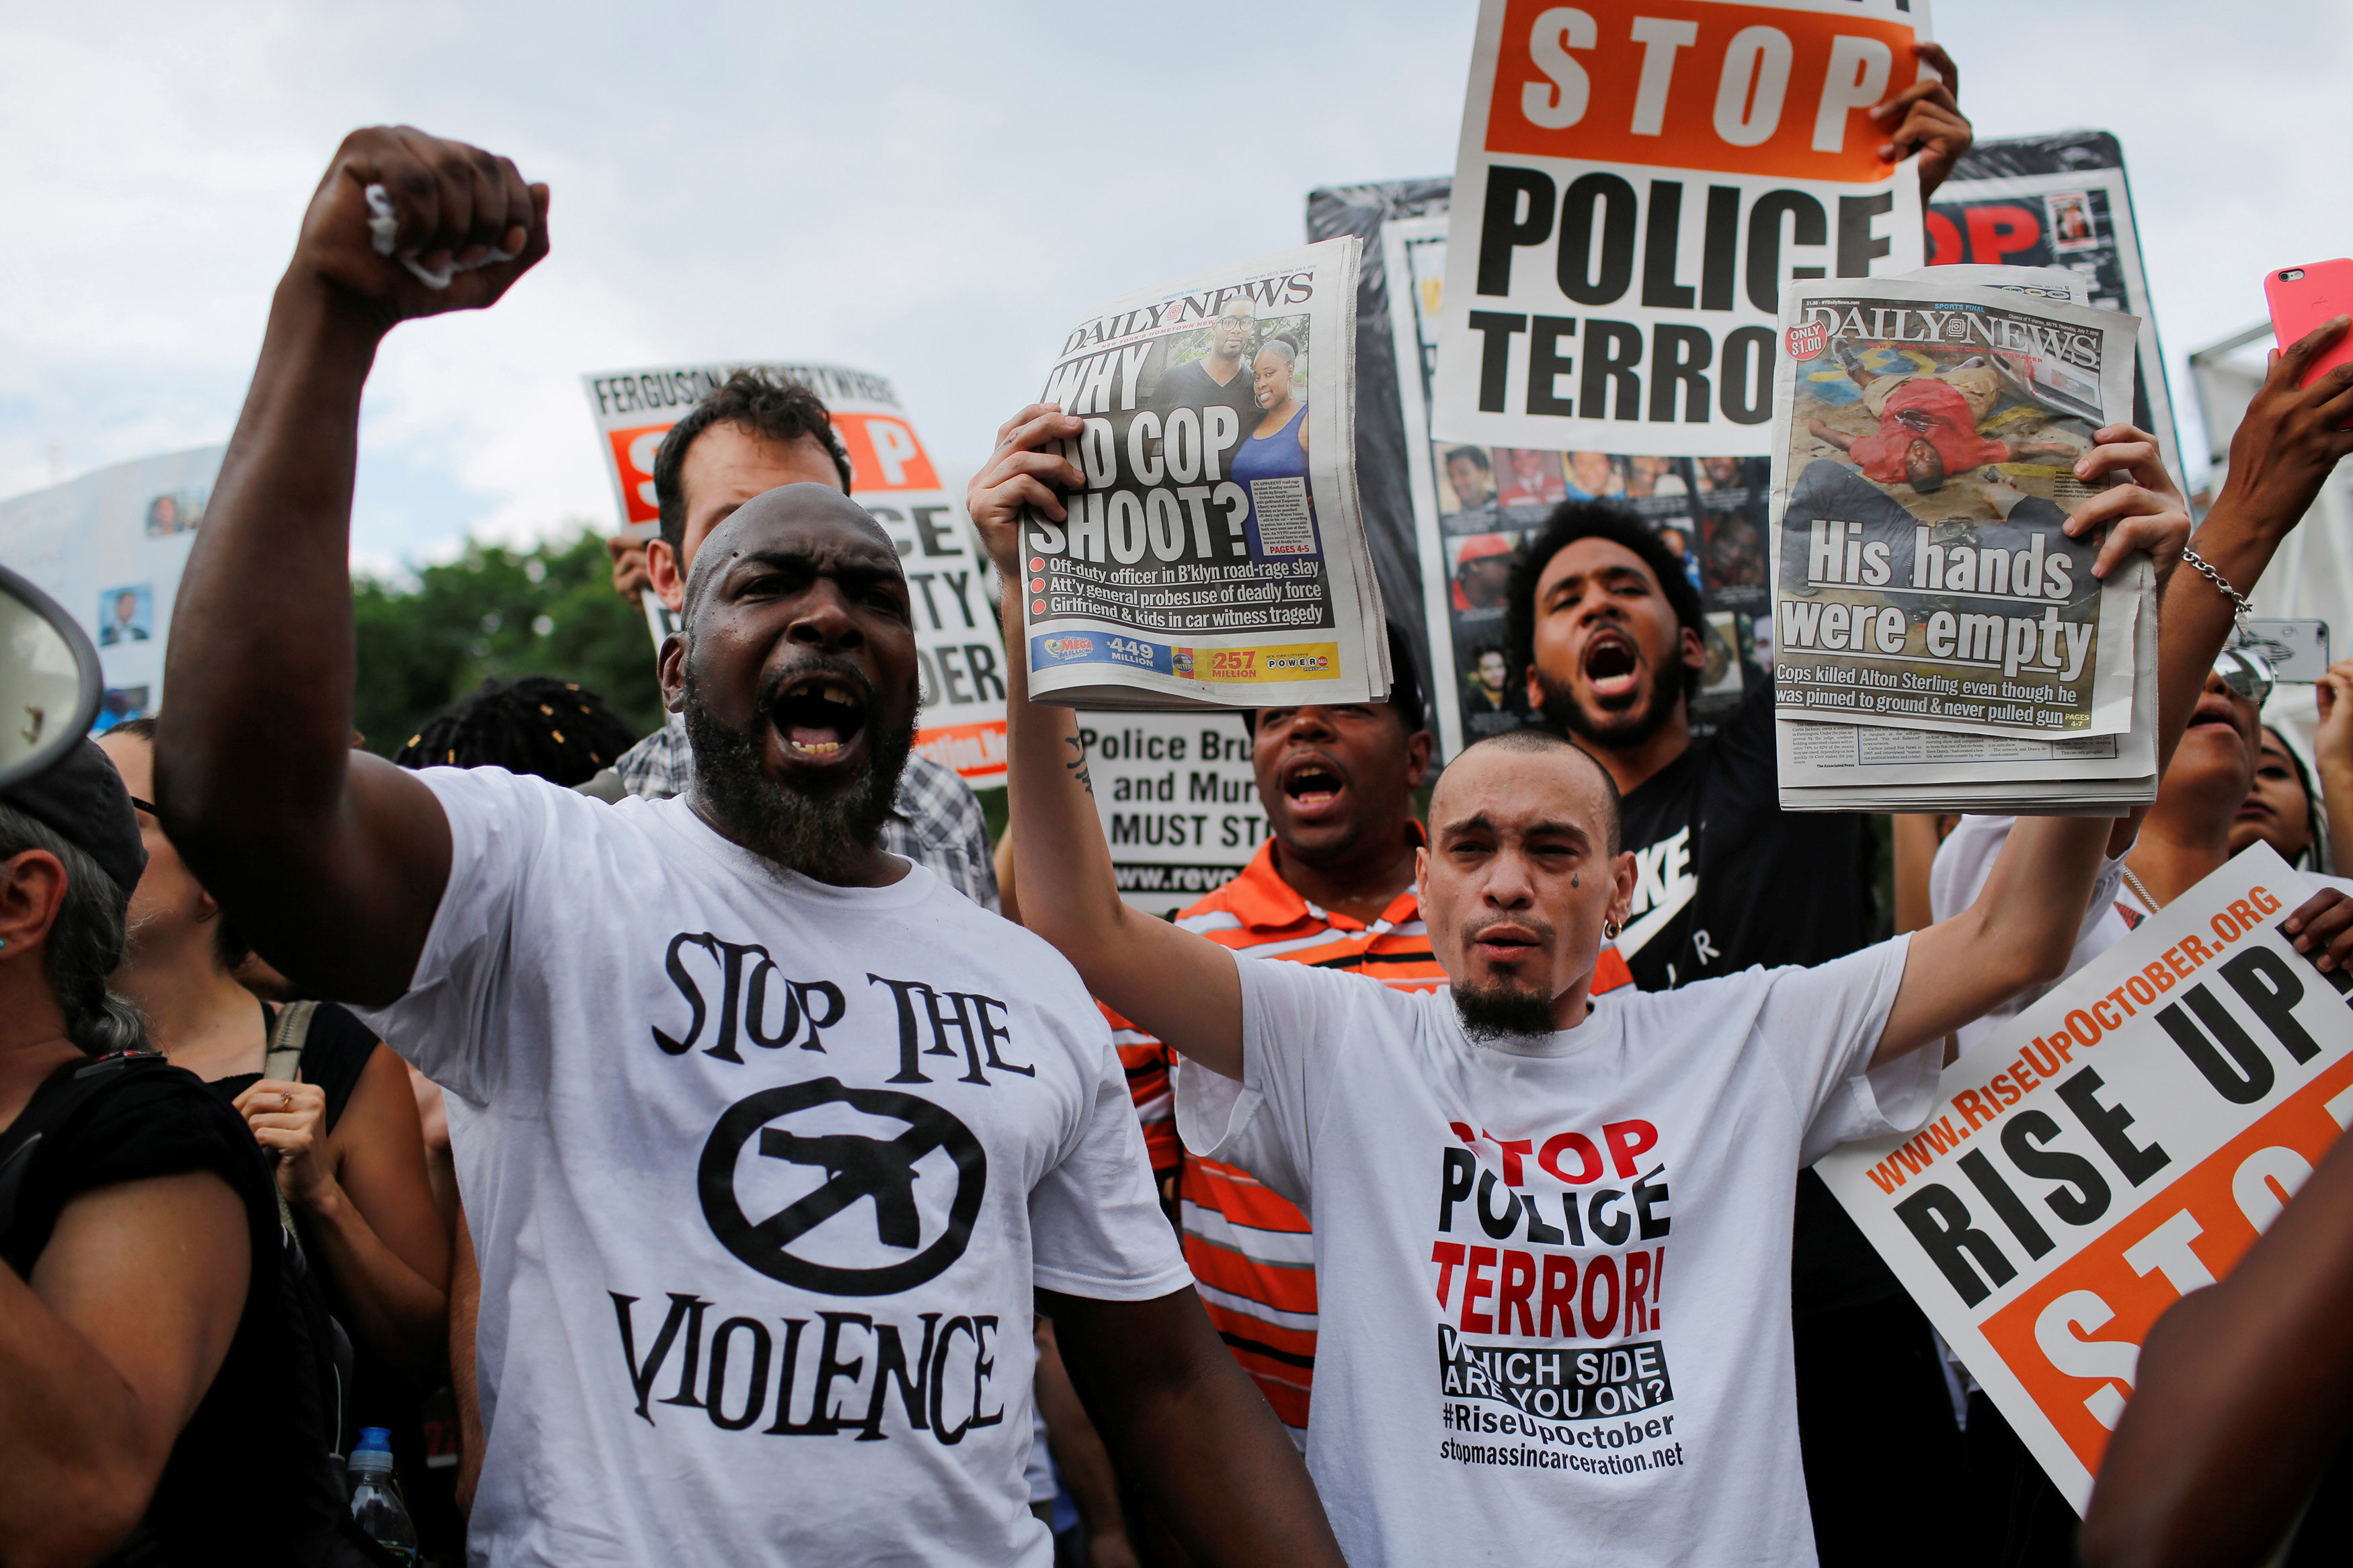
755,432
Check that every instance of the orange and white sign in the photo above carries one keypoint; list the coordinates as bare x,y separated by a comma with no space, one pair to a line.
2123,1144
892,477
1636,179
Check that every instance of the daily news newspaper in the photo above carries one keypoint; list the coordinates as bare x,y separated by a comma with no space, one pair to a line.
2121,1144
962,723
1923,471
1215,555
2059,202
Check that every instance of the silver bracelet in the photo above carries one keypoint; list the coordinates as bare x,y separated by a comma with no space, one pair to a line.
2239,608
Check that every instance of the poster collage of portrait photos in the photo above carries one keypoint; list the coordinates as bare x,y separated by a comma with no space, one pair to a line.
1475,506
2059,201
108,546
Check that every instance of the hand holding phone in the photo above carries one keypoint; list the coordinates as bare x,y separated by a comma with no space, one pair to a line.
2303,298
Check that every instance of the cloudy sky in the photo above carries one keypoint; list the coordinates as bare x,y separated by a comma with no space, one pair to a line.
928,190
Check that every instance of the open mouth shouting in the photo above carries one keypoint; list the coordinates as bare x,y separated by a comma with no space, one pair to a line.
818,715
2218,708
1313,784
1612,667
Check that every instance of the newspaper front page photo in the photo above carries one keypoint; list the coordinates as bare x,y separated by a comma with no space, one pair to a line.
1215,554
1935,628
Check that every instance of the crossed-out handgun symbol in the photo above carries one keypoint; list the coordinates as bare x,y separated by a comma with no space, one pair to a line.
855,1167
882,1169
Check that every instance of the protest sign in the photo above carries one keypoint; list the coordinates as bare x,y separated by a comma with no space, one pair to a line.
2059,201
1178,802
108,546
962,724
1215,555
2121,1144
1633,186
1474,505
1923,473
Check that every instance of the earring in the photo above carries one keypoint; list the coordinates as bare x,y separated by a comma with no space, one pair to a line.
1575,880
1611,928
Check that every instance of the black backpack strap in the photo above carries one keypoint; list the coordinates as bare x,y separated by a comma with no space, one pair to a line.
61,1095
290,1034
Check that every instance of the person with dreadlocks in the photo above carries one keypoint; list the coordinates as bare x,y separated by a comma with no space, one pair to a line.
535,724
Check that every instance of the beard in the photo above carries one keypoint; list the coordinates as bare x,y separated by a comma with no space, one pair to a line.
1504,1007
1501,1011
1631,727
822,834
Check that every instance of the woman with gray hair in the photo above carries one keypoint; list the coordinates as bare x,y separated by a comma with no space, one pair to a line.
148,1397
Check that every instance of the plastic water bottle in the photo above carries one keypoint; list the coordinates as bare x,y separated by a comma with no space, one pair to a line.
377,1507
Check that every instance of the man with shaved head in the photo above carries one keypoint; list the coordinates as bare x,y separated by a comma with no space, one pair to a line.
772,1144
1552,1229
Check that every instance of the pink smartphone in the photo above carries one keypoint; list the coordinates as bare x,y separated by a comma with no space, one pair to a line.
2302,298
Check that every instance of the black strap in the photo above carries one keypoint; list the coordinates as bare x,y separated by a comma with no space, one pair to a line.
61,1095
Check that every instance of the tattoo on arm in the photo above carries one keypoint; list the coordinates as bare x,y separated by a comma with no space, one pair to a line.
1078,765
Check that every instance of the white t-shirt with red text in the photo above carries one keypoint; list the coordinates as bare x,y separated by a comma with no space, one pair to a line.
1556,1273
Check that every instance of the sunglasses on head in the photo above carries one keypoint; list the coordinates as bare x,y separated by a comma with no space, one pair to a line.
2246,674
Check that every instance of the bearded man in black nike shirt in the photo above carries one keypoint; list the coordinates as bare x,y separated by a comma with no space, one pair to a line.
1608,629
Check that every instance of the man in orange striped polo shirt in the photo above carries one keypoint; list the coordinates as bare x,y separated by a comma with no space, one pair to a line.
1333,888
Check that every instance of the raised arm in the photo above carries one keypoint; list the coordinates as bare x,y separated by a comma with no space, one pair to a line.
331,862
1171,983
2287,443
2021,928
2287,447
2018,934
1925,118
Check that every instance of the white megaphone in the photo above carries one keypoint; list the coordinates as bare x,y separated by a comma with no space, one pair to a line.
49,680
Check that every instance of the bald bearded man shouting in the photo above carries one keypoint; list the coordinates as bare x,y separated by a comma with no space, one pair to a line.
770,1141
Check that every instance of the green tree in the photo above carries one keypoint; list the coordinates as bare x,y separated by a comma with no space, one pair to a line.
494,614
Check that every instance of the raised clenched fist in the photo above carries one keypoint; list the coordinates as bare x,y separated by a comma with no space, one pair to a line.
455,208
